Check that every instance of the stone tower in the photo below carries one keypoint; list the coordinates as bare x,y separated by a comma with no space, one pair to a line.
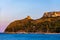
28,17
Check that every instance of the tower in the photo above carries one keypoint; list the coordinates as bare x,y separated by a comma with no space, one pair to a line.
28,17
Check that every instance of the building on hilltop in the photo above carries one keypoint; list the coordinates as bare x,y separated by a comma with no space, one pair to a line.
51,14
28,17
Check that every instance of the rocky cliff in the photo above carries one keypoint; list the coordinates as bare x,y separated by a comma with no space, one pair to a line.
49,23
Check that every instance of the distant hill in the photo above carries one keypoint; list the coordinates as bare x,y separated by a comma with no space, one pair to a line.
49,23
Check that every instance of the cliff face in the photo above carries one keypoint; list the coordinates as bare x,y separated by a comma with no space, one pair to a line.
47,24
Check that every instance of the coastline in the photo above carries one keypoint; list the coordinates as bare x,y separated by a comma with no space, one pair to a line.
26,33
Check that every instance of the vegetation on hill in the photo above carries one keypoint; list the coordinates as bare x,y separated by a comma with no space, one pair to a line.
43,25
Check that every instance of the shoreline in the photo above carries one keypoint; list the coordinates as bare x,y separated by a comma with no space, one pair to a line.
26,33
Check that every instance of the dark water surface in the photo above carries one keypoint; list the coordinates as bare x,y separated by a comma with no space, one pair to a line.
4,36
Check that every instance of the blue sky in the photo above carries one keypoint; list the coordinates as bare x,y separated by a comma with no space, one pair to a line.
11,10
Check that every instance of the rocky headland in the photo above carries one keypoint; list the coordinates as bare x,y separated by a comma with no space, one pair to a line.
48,23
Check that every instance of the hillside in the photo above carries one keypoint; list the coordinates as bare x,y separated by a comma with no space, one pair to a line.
46,24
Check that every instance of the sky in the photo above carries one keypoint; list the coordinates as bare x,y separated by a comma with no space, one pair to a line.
11,10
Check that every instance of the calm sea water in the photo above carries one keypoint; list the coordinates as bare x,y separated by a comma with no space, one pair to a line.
29,36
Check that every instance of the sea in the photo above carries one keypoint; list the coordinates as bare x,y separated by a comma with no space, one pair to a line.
4,36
